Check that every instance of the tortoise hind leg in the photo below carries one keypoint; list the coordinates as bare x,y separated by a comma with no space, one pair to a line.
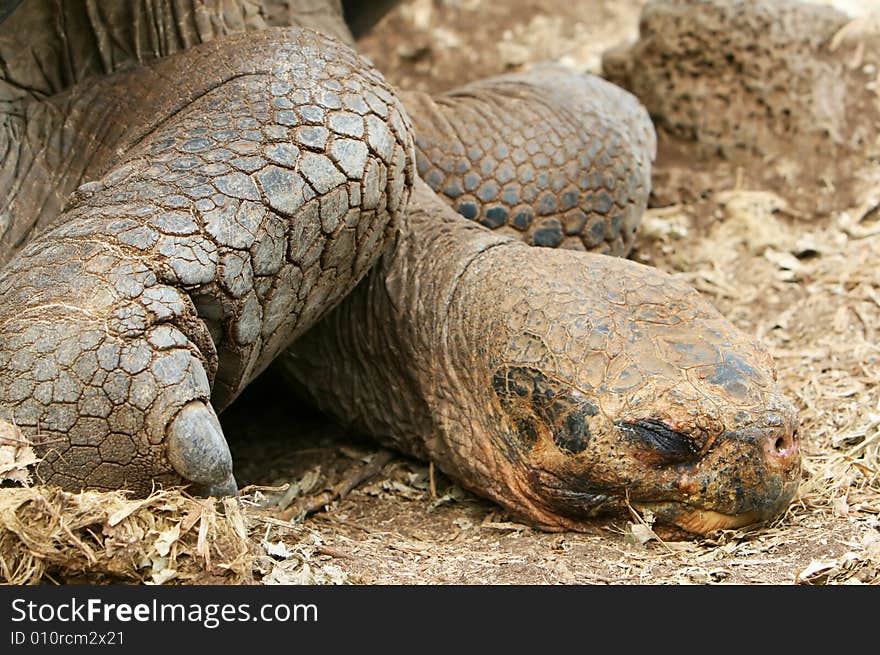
552,157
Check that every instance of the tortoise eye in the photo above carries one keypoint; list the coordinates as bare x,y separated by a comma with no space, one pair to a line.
670,445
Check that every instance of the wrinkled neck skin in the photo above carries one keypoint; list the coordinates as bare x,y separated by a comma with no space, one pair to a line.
561,385
401,357
385,361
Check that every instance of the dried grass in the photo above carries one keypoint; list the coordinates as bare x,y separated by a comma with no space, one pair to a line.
49,535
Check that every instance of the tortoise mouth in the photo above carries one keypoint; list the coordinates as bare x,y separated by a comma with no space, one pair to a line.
700,521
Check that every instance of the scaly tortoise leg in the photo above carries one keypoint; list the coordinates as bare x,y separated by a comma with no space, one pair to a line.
61,124
226,227
552,157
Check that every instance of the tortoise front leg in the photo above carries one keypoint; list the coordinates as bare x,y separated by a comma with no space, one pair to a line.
64,118
225,228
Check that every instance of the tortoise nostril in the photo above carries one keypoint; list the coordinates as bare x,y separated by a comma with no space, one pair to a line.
783,449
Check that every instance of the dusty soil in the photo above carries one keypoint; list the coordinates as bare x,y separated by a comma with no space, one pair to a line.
806,287
806,284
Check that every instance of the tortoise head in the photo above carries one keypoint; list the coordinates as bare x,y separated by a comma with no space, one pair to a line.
613,383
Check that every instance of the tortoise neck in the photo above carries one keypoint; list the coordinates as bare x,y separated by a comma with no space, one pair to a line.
393,359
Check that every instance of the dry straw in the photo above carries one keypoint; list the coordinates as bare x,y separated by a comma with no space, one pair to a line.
48,535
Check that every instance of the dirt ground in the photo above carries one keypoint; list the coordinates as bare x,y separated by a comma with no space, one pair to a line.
809,287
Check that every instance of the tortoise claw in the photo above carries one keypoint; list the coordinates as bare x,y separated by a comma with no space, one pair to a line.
198,451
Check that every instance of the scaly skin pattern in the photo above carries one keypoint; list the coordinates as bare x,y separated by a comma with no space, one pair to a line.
607,382
52,139
550,156
225,227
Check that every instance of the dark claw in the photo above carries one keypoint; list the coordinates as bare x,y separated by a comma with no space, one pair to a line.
198,451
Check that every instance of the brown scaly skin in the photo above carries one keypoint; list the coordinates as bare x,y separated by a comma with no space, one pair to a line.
251,181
